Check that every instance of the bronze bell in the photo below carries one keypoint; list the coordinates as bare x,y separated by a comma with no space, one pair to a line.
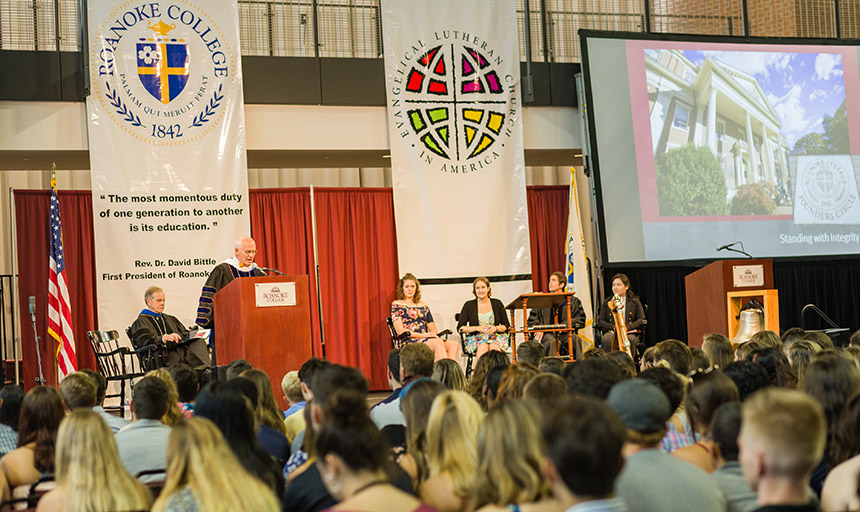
749,323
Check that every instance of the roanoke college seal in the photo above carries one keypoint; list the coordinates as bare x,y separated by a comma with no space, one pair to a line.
163,71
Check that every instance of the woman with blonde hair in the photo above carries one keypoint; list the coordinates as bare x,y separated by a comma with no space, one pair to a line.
90,476
452,451
173,413
267,411
449,373
799,356
204,474
510,451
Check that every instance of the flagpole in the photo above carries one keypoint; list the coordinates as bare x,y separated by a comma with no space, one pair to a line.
317,271
55,366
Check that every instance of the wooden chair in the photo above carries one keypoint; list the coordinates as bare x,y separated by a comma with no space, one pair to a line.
118,363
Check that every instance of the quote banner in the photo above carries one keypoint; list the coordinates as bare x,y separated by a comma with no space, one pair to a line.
167,150
455,129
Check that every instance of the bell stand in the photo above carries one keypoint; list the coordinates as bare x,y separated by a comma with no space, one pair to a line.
736,300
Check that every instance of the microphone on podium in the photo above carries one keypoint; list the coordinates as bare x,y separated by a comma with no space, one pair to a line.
724,247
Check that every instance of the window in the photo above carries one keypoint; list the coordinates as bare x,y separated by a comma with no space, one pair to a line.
682,117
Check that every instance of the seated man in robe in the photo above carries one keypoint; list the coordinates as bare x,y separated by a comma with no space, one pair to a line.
154,327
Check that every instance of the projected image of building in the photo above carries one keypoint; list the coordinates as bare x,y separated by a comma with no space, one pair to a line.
716,105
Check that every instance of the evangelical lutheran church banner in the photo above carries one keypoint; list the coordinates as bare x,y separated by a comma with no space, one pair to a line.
455,129
167,150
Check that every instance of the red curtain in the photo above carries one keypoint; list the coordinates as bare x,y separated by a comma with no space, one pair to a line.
358,263
548,211
31,212
358,271
281,226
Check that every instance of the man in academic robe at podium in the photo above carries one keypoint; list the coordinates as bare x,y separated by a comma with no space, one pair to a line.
154,327
240,265
556,342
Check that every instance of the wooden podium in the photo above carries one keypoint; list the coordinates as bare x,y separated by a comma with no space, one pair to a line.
273,337
716,292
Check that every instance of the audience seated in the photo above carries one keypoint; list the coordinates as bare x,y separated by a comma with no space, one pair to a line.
267,412
417,399
776,364
800,355
272,441
449,373
724,429
746,348
89,473
747,376
552,365
676,353
514,380
584,441
452,452
718,349
78,391
781,439
204,474
831,380
624,362
592,377
768,338
187,385
236,367
416,361
593,353
231,412
352,459
544,390
706,392
41,413
791,336
679,431
491,386
647,360
295,400
476,384
699,360
114,422
298,423
653,481
173,413
10,408
510,454
530,352
819,338
840,491
143,444
306,491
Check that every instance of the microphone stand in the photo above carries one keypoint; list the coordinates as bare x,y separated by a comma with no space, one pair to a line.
741,251
264,269
41,378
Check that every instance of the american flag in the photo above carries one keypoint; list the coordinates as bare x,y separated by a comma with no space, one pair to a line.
59,307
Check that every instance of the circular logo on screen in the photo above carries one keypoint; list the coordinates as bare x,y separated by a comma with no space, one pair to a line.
826,186
162,71
451,101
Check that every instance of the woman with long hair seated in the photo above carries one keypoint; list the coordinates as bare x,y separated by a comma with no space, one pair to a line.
410,313
632,313
510,453
417,399
452,452
204,474
483,321
352,457
40,417
90,476
231,413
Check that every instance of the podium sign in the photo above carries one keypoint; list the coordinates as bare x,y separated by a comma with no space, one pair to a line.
275,294
747,276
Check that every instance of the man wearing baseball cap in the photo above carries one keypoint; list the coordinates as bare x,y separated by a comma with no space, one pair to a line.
652,480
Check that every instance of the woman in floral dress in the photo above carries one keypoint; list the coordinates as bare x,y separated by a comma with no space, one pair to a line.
410,313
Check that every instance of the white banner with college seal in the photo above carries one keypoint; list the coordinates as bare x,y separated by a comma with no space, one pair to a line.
826,190
167,150
455,129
